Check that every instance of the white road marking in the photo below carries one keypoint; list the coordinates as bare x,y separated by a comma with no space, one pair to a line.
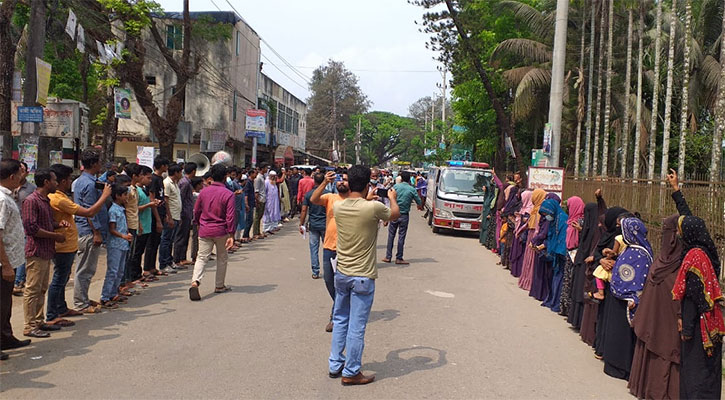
441,294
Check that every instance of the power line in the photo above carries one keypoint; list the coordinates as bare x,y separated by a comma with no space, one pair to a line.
283,73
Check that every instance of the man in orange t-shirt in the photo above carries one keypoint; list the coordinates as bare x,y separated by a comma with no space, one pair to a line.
329,248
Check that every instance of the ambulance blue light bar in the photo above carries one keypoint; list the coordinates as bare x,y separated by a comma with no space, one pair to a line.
455,163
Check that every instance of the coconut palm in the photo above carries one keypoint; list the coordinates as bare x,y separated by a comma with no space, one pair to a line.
684,116
638,117
669,91
655,96
598,103
627,85
608,95
580,96
719,114
590,81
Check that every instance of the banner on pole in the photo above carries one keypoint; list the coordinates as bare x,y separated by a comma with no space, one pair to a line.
29,155
42,70
547,139
145,156
81,39
122,102
256,123
70,26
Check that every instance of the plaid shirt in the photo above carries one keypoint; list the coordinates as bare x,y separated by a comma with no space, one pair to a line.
37,214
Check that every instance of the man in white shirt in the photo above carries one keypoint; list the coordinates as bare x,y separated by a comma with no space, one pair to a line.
172,194
12,251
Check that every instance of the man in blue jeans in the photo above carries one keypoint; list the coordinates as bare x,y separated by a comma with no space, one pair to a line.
316,227
64,209
357,229
406,195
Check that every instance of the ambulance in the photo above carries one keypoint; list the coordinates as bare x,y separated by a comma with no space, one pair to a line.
455,195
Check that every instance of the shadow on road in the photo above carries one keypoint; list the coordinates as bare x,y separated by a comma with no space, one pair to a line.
405,361
254,289
384,315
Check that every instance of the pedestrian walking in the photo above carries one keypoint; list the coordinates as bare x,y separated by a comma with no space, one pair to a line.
304,185
271,206
293,182
406,196
64,212
146,227
12,252
357,226
315,226
260,193
214,210
39,251
249,204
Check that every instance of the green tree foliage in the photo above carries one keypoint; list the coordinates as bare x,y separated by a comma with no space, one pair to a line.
385,136
335,97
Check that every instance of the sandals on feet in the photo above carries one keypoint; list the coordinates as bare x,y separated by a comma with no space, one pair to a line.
222,289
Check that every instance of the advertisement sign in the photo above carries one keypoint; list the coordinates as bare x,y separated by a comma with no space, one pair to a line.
30,114
56,157
42,70
212,140
548,178
256,123
145,156
122,102
547,139
29,155
58,121
538,159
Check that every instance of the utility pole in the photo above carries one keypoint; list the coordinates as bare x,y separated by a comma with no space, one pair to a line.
334,126
557,79
357,142
254,138
443,87
432,112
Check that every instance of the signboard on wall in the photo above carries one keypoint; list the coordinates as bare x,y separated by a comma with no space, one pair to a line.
58,121
550,179
256,123
145,156
30,114
212,140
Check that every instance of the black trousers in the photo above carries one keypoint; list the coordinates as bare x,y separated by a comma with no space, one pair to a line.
133,266
6,310
181,241
152,248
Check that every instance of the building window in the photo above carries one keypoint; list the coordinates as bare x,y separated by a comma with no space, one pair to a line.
234,105
151,80
174,37
239,38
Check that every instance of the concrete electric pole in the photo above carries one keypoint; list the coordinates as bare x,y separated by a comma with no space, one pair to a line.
557,80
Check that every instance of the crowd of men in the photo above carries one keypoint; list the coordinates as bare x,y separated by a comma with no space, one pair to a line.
153,222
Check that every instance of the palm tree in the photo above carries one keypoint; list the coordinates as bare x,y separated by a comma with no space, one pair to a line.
580,97
627,84
608,95
638,113
668,94
719,116
655,96
598,103
590,81
684,116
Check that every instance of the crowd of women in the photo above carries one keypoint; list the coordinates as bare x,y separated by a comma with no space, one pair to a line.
653,319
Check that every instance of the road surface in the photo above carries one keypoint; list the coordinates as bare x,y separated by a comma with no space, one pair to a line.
451,325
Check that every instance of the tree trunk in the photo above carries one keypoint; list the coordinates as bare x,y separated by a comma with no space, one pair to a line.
668,94
608,96
684,116
638,115
110,129
7,68
655,97
36,45
590,83
502,118
595,164
627,84
580,105
719,117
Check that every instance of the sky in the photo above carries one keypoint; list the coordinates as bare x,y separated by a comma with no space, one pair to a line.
378,40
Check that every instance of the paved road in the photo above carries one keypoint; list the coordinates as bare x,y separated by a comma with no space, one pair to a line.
450,325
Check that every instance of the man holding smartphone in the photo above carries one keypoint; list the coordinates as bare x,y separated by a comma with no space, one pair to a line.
91,231
357,230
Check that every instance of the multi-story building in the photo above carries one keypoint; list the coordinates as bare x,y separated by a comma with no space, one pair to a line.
216,99
286,122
